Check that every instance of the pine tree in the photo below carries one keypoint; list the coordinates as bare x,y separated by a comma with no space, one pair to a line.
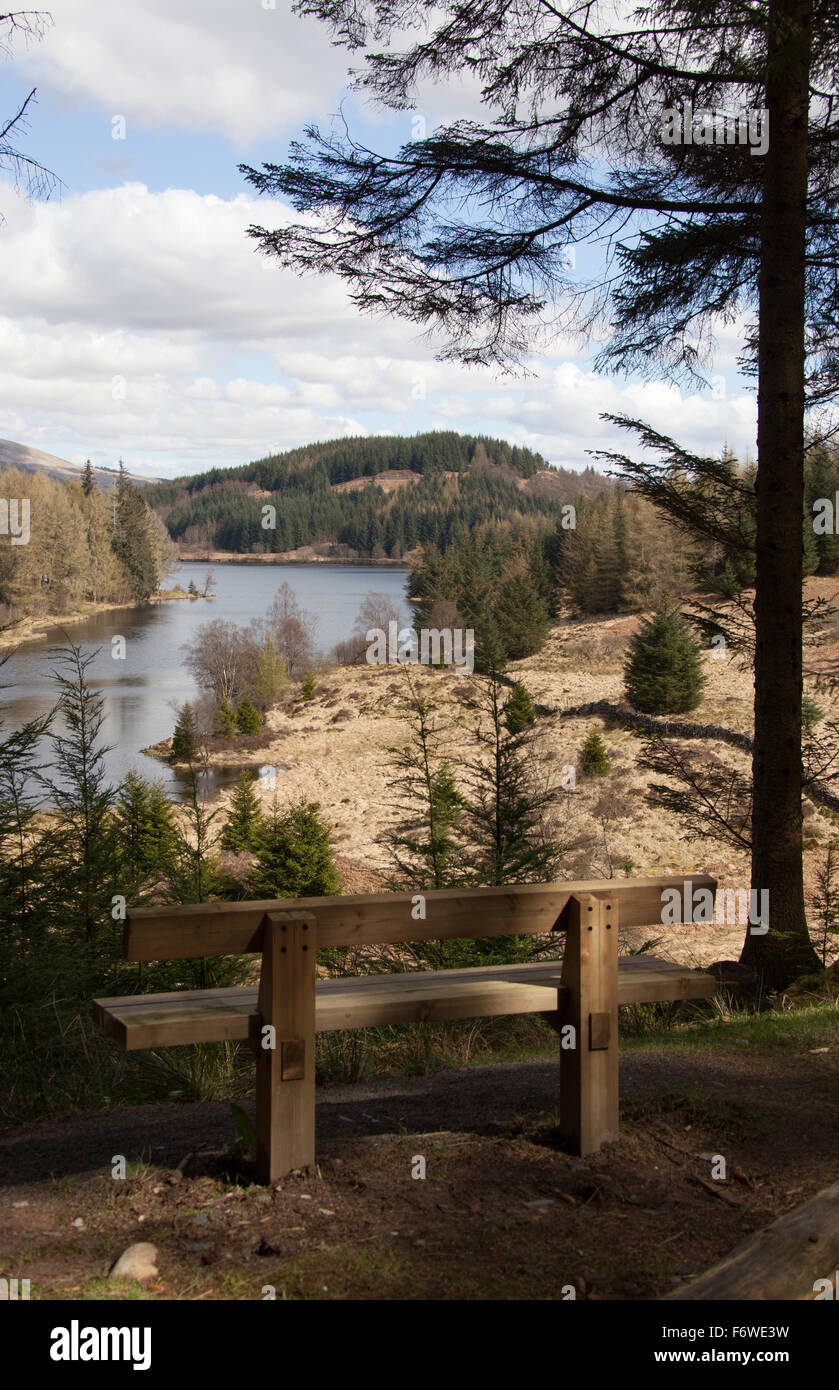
132,539
145,837
663,669
79,838
185,739
594,759
23,861
248,718
245,822
226,718
505,813
295,855
518,711
195,877
425,846
88,480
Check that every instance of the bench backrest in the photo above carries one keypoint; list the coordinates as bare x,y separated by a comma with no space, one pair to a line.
218,929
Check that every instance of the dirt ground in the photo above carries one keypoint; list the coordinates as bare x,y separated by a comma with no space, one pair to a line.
502,1212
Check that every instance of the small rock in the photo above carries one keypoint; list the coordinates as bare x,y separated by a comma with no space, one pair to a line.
201,1219
20,1204
136,1262
79,1224
324,1211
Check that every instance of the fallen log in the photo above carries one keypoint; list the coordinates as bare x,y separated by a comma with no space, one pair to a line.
785,1260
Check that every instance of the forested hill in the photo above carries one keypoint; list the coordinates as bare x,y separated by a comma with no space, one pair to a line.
379,496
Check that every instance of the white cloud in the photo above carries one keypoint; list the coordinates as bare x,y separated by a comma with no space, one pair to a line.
240,69
144,325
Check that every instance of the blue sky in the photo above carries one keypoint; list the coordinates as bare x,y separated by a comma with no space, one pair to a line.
137,320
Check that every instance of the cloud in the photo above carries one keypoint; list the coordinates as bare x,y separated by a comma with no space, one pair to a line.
243,70
144,325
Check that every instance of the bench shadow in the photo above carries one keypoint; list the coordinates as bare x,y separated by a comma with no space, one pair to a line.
492,1099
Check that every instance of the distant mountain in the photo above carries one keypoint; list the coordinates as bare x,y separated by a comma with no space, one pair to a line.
29,460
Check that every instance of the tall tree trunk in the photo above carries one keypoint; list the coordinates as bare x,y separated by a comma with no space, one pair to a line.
785,950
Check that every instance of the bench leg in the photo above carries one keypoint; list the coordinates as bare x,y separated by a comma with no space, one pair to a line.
285,1072
588,1073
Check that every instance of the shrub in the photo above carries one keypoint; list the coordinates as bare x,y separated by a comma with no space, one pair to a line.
308,687
663,671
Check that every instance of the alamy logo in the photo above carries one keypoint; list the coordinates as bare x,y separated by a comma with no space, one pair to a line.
732,907
14,519
433,647
684,126
13,1289
76,1343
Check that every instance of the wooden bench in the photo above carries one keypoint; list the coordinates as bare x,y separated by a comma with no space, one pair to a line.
580,994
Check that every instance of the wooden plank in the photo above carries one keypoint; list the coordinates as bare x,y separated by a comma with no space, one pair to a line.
138,1021
784,1261
285,1061
588,1082
177,933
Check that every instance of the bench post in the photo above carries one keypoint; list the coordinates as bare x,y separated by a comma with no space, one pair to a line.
285,1072
588,1073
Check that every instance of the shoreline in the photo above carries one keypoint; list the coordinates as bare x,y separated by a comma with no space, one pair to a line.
287,557
37,629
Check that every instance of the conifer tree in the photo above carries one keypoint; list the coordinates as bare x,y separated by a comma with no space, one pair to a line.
226,718
294,854
23,860
506,809
518,711
425,845
521,616
88,480
132,539
663,669
195,876
244,823
145,835
248,718
185,739
594,759
87,878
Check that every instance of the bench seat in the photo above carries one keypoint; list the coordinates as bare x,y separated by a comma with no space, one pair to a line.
139,1021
